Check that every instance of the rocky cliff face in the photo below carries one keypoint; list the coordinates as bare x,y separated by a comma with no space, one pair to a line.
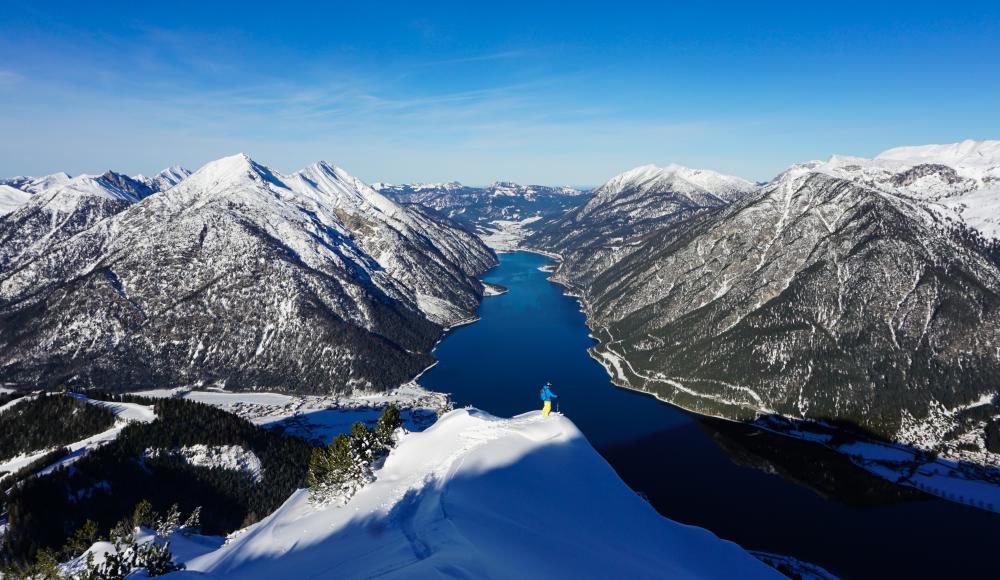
243,277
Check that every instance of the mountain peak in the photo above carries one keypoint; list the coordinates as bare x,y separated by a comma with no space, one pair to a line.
226,170
172,175
676,178
964,153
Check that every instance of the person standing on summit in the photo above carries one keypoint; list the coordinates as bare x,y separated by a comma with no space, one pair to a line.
547,396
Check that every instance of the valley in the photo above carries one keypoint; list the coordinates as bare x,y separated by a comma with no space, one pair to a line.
824,343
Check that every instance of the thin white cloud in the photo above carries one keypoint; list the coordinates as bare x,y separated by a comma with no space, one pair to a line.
9,78
494,56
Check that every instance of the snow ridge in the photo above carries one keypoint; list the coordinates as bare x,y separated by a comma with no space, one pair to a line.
959,181
473,496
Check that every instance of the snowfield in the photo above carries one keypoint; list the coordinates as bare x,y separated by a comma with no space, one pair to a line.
506,235
958,180
11,198
481,497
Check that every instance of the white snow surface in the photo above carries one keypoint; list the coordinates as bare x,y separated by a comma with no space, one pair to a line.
675,178
231,457
172,175
971,194
477,496
11,198
38,184
64,198
967,153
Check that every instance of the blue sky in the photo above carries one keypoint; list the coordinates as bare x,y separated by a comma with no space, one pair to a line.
531,92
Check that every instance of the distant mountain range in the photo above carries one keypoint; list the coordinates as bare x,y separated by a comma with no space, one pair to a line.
235,275
844,291
852,290
501,207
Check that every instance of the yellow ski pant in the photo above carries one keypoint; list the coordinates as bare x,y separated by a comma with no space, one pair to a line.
546,408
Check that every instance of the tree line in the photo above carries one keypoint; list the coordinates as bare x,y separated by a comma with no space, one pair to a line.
106,484
339,470
50,420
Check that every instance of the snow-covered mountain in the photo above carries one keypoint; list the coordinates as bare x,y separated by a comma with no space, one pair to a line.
11,198
238,275
966,154
640,200
57,213
840,291
37,184
487,210
817,297
629,207
476,496
16,191
699,186
137,188
960,179
165,179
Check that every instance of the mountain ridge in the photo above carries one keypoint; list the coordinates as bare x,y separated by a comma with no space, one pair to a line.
306,281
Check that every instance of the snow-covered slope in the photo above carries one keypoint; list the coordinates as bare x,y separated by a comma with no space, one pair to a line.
57,213
967,153
628,207
243,276
11,198
700,186
476,496
169,177
38,184
961,180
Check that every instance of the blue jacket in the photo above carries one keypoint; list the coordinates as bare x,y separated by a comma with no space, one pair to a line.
547,394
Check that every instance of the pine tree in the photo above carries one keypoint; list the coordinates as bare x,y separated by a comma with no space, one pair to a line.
143,515
364,446
387,425
46,566
81,540
156,559
170,522
341,460
129,556
193,522
319,476
339,470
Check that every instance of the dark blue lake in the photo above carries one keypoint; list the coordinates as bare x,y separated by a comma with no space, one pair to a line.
763,491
